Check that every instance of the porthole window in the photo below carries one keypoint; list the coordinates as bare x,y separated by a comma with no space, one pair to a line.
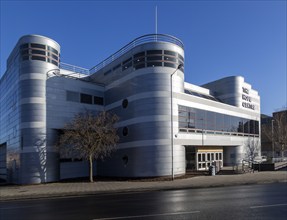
125,159
125,131
125,103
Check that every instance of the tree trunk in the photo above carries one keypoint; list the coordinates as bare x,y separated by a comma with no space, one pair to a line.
91,168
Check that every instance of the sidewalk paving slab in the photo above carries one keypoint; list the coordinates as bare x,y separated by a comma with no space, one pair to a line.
61,189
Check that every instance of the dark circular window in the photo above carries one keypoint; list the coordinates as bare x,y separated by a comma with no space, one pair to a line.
125,103
125,131
125,160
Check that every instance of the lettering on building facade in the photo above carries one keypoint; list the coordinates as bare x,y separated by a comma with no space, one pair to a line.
246,99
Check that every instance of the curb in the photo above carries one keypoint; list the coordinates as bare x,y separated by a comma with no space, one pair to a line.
133,190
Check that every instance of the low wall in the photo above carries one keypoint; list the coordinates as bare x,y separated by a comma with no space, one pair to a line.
76,169
264,167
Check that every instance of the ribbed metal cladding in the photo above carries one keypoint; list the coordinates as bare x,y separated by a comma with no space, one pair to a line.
145,150
38,163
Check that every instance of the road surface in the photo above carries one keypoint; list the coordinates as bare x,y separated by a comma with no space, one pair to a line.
267,201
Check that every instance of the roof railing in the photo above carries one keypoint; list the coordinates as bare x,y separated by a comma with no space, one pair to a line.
75,69
149,38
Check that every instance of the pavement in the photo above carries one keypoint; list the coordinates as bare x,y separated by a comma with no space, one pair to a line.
64,189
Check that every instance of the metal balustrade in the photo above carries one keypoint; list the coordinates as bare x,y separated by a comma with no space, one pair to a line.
75,69
194,130
138,41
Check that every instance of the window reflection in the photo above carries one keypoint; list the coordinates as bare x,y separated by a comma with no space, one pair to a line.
207,120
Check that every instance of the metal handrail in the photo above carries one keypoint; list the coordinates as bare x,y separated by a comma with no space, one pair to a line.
195,130
149,38
74,68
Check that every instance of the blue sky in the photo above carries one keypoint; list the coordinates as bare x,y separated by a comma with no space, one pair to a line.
221,38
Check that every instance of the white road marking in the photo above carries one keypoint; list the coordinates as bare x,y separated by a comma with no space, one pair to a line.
152,215
265,206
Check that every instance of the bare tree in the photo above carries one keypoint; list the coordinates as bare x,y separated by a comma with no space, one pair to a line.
278,134
89,137
252,147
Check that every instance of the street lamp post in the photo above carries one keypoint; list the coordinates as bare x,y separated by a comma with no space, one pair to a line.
202,132
202,139
273,153
171,119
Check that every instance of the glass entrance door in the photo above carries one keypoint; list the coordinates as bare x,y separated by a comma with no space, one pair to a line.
206,159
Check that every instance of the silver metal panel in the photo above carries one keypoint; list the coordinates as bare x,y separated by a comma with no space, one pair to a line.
37,164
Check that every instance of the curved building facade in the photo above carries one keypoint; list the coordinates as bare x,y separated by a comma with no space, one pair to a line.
166,125
38,161
29,159
140,96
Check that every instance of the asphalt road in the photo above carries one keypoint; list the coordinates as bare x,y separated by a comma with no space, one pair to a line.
267,201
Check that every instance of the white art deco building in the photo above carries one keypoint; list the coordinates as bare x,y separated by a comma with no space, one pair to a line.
166,126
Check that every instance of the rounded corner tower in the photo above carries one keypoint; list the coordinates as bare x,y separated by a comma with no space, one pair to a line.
38,161
140,93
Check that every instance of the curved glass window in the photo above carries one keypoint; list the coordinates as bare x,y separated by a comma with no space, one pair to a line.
54,57
126,66
32,50
154,58
53,50
180,57
150,58
139,60
172,59
38,46
153,64
38,58
141,54
168,52
128,60
55,63
139,66
42,52
173,65
148,52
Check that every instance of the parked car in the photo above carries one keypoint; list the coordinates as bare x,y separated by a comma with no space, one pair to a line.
260,159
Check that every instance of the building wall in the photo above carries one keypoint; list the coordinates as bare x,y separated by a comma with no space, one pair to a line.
28,64
235,91
61,110
233,142
10,136
137,87
38,163
147,117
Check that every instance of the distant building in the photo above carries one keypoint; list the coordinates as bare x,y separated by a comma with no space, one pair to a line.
266,136
166,126
274,134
